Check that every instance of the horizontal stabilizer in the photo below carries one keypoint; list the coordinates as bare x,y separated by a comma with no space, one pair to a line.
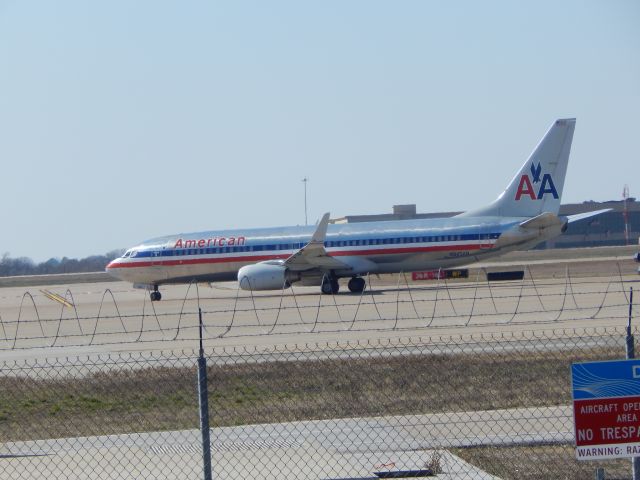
582,216
544,220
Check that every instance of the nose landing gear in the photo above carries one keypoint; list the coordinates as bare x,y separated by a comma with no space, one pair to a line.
155,295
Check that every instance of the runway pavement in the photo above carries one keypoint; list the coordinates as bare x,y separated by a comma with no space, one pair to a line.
114,317
340,448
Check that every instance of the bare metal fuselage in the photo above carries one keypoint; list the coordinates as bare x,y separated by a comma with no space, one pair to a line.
372,247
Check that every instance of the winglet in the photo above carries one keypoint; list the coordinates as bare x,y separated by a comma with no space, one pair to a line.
313,254
321,230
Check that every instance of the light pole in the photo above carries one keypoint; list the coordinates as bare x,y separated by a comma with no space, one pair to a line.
305,180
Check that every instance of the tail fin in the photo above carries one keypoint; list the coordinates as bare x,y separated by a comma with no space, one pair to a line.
537,187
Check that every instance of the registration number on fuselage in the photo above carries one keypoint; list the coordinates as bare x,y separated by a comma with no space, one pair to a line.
458,254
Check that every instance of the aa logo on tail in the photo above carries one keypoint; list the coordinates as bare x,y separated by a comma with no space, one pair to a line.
526,186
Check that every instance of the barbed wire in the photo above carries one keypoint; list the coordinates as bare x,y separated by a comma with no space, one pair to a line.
607,292
378,308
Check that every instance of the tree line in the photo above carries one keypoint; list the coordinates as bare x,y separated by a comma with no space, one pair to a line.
10,267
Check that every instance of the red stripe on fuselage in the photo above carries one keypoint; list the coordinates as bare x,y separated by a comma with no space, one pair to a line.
260,258
192,261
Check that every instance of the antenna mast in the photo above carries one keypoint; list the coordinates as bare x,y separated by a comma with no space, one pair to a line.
625,213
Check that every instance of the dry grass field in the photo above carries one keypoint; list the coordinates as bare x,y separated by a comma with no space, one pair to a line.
126,399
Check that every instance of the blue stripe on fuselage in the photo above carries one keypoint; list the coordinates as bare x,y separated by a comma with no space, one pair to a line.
358,242
365,234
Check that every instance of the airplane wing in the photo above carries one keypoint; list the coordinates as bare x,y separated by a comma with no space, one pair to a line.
313,254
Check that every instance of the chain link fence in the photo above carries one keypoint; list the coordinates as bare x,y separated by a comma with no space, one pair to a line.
476,407
97,317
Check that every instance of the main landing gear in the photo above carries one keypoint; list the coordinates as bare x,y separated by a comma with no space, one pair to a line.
330,285
356,285
155,294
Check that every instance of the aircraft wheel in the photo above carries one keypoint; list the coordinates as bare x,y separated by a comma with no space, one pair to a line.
330,286
356,284
156,296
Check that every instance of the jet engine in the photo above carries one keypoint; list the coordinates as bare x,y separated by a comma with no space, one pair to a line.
267,275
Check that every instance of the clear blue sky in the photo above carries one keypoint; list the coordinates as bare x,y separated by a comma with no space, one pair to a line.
124,120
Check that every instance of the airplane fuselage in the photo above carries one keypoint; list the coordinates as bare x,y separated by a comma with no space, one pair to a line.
371,247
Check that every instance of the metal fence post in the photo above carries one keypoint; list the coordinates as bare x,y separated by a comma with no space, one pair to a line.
631,354
204,406
630,344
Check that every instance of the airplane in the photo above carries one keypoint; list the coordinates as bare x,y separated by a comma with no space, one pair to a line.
523,215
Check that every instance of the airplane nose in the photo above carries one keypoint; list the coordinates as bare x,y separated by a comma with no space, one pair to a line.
112,268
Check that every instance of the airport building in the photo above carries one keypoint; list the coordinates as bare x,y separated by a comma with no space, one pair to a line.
608,229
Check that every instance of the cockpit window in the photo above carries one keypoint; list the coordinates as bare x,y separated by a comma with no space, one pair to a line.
126,254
